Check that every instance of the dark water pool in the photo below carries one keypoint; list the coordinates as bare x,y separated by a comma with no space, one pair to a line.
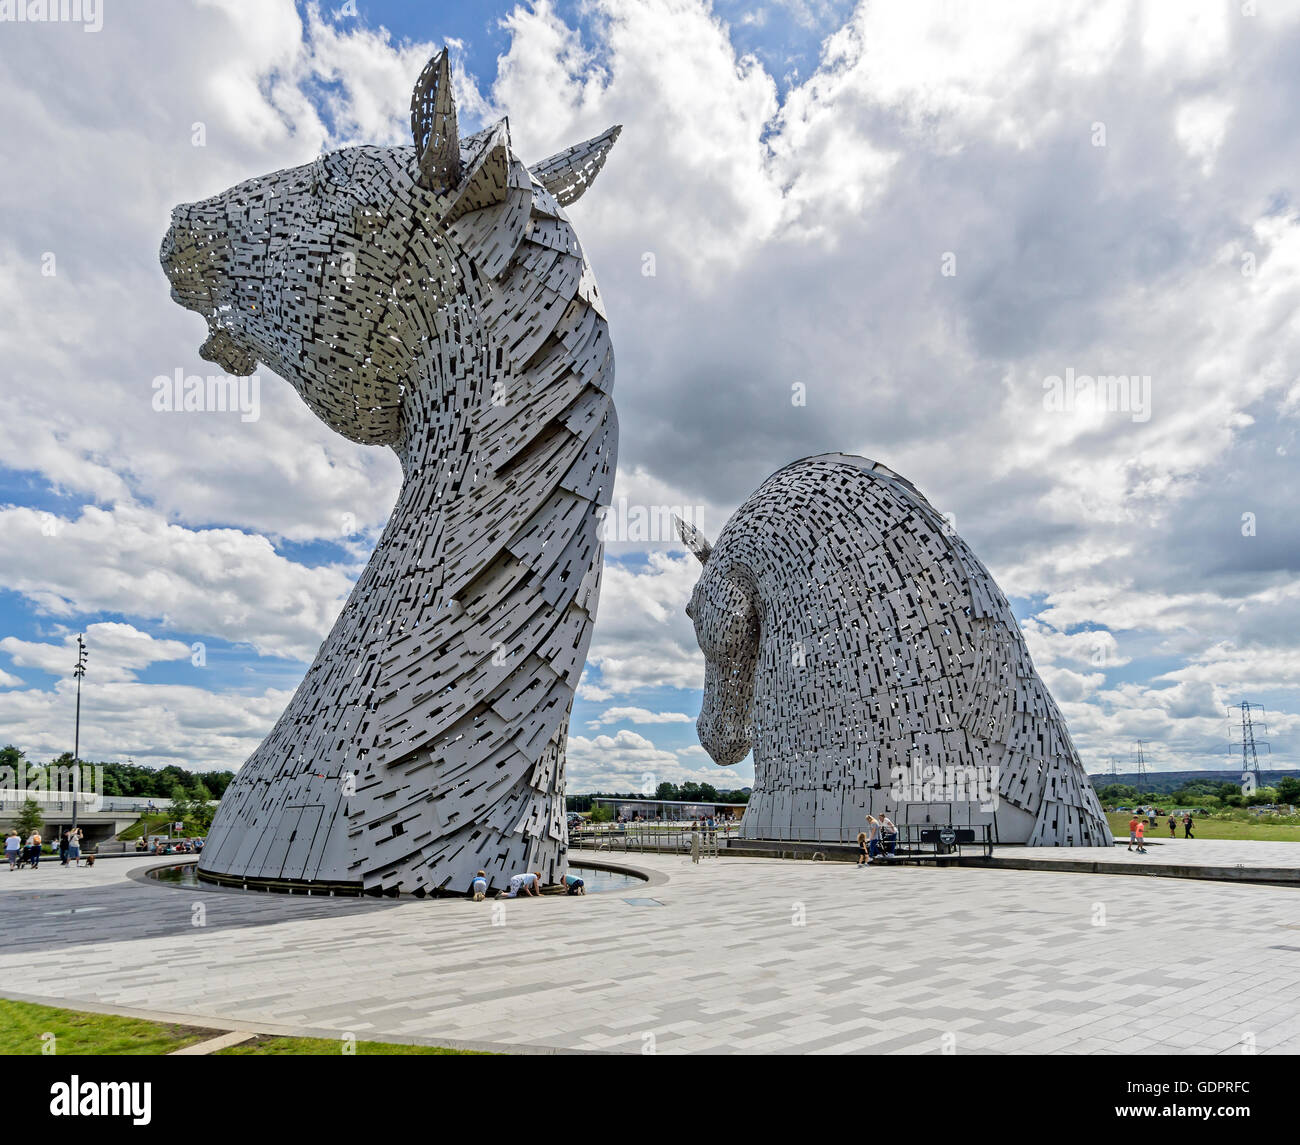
597,881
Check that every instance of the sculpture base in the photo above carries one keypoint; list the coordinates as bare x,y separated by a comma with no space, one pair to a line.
280,886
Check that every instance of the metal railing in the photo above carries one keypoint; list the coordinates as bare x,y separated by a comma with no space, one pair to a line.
926,841
678,838
87,802
914,841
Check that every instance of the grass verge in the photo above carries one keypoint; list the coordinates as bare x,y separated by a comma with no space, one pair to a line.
332,1047
1206,828
26,1028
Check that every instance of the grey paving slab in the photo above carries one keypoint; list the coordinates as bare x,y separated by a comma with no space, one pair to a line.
885,962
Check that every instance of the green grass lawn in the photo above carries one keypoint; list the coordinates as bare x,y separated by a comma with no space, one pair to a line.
24,1024
157,825
1203,828
325,1047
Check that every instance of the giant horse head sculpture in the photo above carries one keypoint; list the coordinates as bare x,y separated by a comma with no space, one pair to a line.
432,298
868,658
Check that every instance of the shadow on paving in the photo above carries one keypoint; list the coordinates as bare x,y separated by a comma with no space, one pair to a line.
48,920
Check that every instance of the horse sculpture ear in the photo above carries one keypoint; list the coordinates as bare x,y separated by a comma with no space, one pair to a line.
693,539
482,179
433,126
568,174
487,173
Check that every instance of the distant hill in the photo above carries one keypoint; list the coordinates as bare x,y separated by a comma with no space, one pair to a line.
1164,782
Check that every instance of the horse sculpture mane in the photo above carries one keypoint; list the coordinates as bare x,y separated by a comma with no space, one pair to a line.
432,298
867,657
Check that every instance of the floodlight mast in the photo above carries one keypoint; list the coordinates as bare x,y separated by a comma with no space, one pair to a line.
79,671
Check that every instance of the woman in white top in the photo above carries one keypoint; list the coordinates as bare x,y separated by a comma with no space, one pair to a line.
888,834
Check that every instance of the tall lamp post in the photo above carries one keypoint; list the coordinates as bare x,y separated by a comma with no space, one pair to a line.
79,671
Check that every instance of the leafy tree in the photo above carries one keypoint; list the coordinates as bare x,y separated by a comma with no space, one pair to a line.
167,779
666,791
179,807
215,781
1118,793
200,811
1261,797
11,756
29,818
601,813
1288,789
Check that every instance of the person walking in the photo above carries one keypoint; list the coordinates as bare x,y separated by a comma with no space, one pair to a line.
1141,837
863,858
695,843
12,846
1173,825
1188,823
1133,830
34,850
63,848
74,846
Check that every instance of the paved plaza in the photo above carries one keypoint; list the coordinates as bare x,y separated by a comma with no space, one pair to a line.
1226,859
733,955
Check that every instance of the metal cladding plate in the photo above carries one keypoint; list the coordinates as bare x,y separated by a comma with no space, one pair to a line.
855,643
441,306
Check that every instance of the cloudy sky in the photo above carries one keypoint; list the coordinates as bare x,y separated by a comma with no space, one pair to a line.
917,212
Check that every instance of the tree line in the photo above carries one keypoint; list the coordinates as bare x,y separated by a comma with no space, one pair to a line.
669,792
1203,794
128,779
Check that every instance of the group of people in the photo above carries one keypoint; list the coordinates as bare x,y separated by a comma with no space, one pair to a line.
1137,829
879,839
162,846
28,854
526,884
